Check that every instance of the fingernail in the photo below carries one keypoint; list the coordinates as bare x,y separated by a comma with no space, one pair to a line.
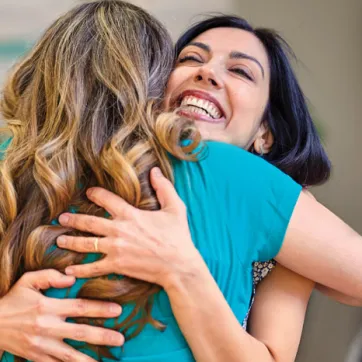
117,340
69,271
69,278
90,192
64,219
157,172
61,240
115,309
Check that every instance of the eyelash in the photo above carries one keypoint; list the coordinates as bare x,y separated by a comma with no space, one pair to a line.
189,57
242,72
238,71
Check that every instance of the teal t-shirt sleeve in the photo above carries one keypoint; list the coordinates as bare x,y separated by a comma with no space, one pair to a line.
261,198
278,194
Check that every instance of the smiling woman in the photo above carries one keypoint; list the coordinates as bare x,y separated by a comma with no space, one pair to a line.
247,73
235,82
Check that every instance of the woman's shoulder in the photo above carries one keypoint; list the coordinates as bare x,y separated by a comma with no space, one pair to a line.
244,168
226,151
234,159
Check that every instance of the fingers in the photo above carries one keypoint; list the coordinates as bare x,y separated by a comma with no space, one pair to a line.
96,269
44,279
84,244
89,334
82,308
60,351
166,193
115,205
91,224
47,359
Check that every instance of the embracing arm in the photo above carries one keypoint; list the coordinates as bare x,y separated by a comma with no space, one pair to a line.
338,296
278,313
332,293
214,335
321,247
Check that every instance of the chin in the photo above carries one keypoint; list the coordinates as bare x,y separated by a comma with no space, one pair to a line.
209,133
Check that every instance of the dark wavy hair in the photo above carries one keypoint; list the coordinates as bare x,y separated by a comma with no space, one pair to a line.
297,148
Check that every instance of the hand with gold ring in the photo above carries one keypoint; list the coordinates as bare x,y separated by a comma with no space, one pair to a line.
153,246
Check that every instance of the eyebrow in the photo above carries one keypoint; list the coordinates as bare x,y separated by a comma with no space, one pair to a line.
233,54
203,46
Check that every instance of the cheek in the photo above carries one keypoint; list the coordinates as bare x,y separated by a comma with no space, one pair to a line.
247,111
247,104
243,100
174,82
177,78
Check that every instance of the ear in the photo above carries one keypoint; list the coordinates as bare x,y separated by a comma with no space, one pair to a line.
264,139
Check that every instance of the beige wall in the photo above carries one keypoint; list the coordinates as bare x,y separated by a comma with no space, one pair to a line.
327,38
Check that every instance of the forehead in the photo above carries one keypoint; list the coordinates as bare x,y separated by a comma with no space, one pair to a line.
223,41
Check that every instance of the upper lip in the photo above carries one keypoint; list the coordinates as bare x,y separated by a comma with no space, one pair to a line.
202,95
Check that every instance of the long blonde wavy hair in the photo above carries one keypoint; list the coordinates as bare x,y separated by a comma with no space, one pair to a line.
83,109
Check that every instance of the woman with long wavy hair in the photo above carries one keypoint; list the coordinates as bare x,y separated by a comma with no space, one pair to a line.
81,113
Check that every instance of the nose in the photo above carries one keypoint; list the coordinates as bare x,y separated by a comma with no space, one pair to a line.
208,77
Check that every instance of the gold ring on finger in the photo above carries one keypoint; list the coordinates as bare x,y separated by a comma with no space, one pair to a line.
96,244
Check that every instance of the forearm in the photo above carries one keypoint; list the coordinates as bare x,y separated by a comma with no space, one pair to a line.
321,247
339,297
209,325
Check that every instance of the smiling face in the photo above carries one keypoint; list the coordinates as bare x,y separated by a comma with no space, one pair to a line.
221,80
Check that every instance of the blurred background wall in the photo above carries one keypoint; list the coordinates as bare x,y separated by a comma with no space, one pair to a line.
326,36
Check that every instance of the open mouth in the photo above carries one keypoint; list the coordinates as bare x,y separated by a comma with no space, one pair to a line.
200,106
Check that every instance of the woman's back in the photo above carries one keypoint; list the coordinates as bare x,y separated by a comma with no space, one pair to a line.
231,228
82,109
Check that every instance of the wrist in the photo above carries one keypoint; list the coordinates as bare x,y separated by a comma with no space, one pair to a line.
5,317
186,274
3,328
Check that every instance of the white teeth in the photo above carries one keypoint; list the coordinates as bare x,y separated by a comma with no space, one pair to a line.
196,110
201,106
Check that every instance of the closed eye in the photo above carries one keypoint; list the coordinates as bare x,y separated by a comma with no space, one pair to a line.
242,72
189,58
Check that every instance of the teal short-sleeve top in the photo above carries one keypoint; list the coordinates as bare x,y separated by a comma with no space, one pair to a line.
239,207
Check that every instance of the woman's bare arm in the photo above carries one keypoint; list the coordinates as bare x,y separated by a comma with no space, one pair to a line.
214,334
332,293
321,247
278,313
338,297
